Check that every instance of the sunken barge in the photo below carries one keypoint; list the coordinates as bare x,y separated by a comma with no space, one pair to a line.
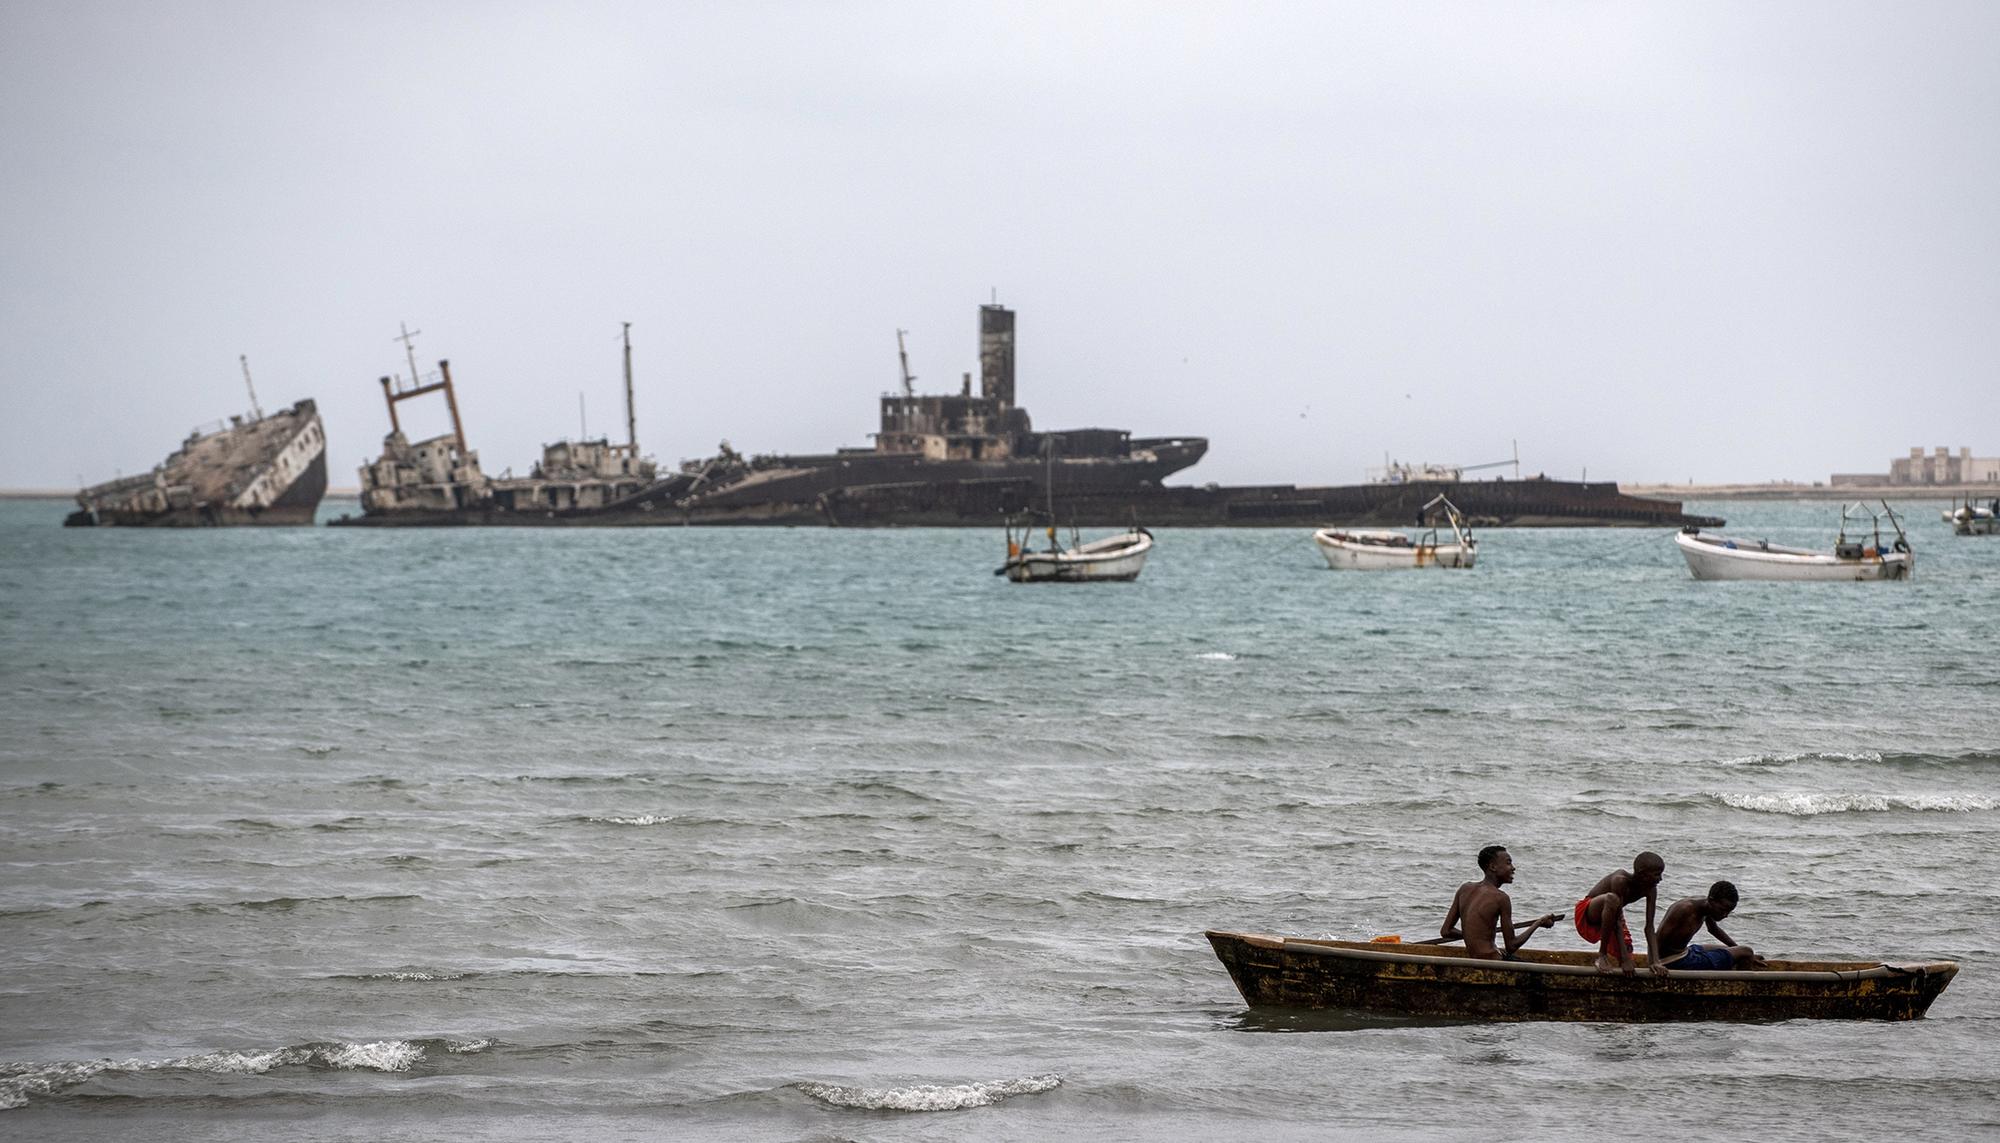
960,459
253,470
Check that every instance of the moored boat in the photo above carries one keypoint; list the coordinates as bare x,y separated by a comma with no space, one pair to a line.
1711,556
1970,519
1441,982
1378,550
1117,558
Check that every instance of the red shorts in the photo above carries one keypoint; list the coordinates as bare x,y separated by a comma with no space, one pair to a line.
1590,933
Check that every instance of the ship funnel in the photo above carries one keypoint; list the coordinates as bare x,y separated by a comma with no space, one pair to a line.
996,354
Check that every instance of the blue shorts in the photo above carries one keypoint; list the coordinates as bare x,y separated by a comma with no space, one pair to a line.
1705,959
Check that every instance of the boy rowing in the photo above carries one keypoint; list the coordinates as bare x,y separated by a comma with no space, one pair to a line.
1600,916
1686,917
1482,908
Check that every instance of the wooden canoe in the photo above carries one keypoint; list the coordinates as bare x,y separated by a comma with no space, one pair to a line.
1441,982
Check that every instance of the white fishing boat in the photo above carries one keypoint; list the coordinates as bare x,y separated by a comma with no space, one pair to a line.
1868,557
1112,559
1969,519
1348,549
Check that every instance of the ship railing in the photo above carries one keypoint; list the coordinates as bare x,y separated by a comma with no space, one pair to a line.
124,484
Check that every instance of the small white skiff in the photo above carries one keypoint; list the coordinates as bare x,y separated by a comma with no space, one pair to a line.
1112,559
1722,557
1969,519
1349,549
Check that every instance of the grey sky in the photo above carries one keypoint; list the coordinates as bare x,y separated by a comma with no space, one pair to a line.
1661,242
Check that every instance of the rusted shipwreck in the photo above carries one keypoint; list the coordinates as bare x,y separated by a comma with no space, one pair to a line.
964,459
1448,983
251,470
438,481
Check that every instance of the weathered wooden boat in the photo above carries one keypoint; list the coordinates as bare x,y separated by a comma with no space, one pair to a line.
1440,982
1349,549
1721,557
1970,519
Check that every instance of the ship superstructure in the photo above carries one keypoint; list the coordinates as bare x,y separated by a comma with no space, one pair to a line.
436,475
934,451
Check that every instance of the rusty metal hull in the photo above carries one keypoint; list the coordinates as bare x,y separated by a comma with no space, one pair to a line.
1490,503
1446,983
294,506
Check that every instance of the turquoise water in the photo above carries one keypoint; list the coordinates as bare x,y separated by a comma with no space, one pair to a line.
808,833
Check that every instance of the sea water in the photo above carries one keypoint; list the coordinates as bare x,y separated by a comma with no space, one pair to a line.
801,833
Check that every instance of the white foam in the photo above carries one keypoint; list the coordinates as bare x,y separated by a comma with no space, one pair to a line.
640,820
416,976
380,1056
1806,756
929,1097
227,1063
21,1082
1217,656
1808,804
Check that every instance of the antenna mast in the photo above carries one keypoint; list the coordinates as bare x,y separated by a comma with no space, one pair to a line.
254,406
909,378
631,419
408,339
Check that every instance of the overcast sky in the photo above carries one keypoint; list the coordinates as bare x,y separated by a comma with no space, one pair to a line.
1656,242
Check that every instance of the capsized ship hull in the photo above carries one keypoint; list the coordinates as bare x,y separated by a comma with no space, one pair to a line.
261,471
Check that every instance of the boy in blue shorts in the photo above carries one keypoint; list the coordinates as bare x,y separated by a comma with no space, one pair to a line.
1686,917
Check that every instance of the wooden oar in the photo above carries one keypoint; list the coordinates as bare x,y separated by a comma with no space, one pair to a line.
1554,919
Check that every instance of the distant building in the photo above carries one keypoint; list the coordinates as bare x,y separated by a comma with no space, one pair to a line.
1940,467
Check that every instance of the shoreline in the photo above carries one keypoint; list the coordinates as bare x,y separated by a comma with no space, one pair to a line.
1779,490
70,494
1784,490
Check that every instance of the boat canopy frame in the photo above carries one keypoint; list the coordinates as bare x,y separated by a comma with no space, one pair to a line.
1460,530
1860,508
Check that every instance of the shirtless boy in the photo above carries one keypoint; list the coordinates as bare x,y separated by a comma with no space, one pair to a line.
1482,908
1600,916
1686,917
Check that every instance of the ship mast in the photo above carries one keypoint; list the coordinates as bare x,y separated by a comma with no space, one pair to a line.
393,392
631,418
409,340
909,378
255,408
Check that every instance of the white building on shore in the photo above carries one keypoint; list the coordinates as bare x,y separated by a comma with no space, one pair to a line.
1938,468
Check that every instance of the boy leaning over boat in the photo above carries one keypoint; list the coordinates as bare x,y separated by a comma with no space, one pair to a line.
1686,917
1481,908
1600,916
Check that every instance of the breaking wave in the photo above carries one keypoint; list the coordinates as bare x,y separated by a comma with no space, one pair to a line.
21,1082
928,1097
1217,656
636,820
1804,756
1806,805
1872,758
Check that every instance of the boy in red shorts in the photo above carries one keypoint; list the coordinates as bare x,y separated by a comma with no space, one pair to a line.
1600,915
